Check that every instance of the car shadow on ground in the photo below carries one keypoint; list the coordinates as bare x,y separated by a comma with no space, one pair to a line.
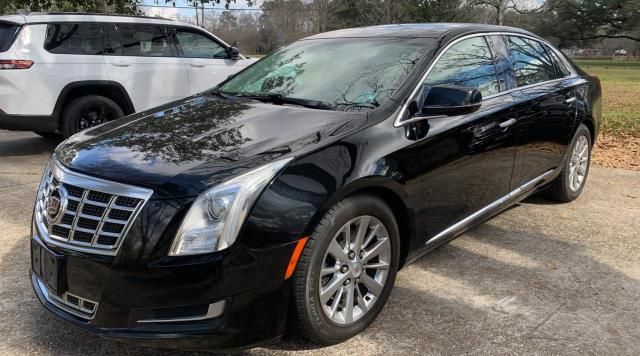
24,144
494,288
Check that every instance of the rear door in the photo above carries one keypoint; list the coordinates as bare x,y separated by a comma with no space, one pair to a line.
546,109
141,58
206,59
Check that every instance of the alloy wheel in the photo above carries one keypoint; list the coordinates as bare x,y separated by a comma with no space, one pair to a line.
579,163
94,116
355,269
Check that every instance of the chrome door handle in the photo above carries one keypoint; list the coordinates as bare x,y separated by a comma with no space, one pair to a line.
507,123
570,100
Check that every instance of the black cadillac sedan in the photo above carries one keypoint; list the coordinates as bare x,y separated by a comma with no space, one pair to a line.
288,197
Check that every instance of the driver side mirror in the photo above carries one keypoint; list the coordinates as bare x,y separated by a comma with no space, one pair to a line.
233,53
447,100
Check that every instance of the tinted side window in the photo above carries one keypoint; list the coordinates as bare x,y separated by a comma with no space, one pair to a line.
561,68
196,45
144,40
74,38
530,61
112,42
7,33
468,63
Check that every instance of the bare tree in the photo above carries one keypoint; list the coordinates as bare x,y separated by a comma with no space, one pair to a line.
501,7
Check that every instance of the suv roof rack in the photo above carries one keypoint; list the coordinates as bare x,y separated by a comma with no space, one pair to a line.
94,14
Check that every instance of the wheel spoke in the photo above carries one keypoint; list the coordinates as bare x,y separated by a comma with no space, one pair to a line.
337,252
348,304
336,302
330,289
329,270
372,285
371,235
346,230
362,230
380,246
582,151
361,302
378,265
581,170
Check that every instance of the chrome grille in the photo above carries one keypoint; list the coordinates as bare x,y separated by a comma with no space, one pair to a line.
97,213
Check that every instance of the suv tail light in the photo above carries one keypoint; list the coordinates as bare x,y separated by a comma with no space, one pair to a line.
15,63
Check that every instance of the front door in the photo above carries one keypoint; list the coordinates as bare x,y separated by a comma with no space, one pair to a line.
206,60
467,160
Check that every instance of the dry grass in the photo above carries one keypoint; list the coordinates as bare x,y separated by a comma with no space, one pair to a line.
619,143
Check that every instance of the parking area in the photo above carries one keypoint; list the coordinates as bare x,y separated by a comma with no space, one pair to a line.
540,278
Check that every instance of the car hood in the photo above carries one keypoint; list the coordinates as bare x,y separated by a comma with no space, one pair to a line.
183,148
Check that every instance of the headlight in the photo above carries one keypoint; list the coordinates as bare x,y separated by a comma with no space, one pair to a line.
214,220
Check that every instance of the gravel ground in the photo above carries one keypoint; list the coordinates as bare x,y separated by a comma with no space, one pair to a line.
541,278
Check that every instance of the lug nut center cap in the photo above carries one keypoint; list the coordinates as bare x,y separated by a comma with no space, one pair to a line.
356,269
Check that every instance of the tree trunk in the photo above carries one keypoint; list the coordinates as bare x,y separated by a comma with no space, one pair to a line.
101,7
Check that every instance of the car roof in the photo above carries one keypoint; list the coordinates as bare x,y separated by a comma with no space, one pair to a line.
47,17
416,30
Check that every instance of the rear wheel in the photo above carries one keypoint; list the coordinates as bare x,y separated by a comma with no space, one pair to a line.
569,184
88,111
346,271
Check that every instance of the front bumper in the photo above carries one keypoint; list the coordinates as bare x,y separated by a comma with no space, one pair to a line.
248,283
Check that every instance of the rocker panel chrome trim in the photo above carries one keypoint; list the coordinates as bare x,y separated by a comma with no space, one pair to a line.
457,227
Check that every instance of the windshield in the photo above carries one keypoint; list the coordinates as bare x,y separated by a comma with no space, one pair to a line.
342,73
6,35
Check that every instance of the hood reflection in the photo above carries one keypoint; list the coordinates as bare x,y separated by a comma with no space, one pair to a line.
200,140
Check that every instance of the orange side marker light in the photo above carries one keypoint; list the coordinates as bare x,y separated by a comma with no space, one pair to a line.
295,256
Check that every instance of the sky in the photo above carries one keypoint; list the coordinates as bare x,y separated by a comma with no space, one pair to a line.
162,9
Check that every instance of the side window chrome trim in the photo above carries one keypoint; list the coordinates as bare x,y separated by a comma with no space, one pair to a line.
398,122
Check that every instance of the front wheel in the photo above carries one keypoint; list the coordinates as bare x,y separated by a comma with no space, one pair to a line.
569,184
346,271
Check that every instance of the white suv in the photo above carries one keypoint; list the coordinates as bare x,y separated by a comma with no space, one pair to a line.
62,73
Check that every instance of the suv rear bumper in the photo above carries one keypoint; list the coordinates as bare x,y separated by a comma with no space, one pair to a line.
39,123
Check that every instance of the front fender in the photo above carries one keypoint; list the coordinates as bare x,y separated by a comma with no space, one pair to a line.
298,198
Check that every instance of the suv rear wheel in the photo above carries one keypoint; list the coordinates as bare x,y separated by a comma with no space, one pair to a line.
88,111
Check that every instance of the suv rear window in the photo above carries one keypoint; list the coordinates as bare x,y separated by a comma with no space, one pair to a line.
7,35
74,38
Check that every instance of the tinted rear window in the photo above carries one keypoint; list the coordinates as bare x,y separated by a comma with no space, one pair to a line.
7,35
144,40
74,38
530,61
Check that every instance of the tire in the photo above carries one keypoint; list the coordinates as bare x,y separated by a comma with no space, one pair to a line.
88,111
310,318
564,188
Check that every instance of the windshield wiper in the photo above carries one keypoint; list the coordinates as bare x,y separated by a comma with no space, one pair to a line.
222,94
279,99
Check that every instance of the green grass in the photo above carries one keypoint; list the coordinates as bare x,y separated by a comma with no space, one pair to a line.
620,94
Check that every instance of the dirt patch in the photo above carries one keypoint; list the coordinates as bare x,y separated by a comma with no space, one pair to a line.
617,152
